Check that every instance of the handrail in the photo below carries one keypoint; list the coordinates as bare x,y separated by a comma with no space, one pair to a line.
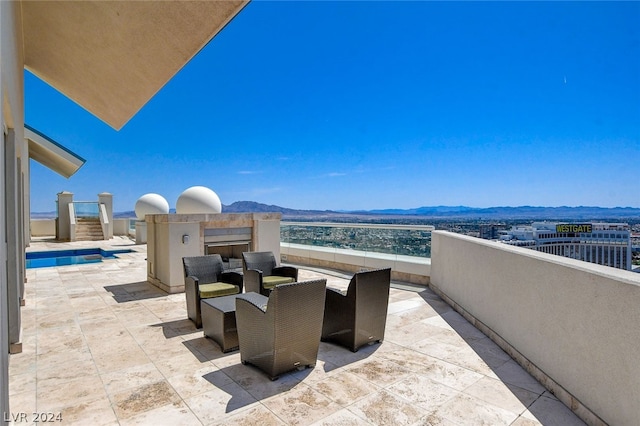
72,223
104,221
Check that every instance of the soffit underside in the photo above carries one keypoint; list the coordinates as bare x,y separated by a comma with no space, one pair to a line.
51,154
111,57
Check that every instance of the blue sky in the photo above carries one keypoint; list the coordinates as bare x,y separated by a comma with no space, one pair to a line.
370,105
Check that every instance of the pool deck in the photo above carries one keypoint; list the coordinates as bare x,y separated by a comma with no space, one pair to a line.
102,346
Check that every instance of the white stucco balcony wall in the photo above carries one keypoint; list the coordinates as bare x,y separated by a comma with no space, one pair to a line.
574,325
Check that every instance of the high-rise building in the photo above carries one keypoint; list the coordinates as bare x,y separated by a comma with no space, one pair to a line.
606,244
490,231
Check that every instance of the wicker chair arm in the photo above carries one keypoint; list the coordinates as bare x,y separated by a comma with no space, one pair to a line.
286,271
337,300
336,290
252,280
257,300
192,293
338,313
251,320
255,335
234,278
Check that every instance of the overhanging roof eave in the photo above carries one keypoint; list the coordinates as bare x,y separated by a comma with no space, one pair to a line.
52,154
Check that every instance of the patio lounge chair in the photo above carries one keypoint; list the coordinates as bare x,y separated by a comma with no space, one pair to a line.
281,332
358,316
262,273
204,278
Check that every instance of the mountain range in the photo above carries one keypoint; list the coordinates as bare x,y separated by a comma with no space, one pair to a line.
444,212
434,212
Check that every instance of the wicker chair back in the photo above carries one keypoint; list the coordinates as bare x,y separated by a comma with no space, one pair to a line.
263,261
282,332
207,268
360,316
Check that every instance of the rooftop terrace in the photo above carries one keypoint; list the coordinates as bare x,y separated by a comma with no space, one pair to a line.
102,346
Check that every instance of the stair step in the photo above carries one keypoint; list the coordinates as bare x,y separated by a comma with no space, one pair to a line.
88,229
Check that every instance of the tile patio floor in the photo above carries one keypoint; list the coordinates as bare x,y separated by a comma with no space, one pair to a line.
101,346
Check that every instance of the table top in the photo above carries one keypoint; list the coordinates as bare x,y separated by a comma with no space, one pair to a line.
228,303
223,304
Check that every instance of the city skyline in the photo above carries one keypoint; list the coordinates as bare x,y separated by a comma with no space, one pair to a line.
377,105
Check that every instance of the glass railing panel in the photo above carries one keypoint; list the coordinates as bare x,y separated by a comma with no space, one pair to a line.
396,240
86,209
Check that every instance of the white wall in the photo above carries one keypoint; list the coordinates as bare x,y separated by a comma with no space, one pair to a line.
169,251
43,227
576,322
121,227
11,114
266,235
47,227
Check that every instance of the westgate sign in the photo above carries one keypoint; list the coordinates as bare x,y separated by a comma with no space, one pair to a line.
574,227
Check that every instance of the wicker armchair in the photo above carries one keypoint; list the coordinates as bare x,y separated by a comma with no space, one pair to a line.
358,316
262,273
281,332
204,278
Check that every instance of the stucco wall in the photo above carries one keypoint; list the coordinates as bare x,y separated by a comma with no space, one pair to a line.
266,235
576,322
120,226
47,227
43,227
11,114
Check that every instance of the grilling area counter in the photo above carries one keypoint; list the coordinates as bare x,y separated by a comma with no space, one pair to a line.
170,237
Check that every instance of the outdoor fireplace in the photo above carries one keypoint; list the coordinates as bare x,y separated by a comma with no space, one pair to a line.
231,253
170,237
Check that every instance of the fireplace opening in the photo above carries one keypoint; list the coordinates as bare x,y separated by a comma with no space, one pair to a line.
231,254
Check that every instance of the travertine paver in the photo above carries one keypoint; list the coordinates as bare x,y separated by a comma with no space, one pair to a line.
103,346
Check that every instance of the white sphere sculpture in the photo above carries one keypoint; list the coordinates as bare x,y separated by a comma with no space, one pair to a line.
198,199
151,204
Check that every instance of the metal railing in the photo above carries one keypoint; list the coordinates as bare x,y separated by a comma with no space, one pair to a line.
407,240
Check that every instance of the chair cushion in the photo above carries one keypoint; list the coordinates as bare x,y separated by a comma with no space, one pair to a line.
273,280
217,290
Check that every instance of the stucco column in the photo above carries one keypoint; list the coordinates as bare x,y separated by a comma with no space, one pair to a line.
107,199
14,250
141,232
266,234
63,232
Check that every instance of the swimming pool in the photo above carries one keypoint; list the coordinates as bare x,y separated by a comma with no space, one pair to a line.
44,259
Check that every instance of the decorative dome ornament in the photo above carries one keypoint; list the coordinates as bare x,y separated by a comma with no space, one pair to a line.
151,204
198,200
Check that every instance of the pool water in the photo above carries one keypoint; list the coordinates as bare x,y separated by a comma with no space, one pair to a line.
44,259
